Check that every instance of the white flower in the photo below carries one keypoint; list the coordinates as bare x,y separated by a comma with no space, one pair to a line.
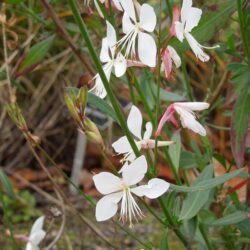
138,31
110,59
37,234
134,122
117,189
187,116
169,56
190,18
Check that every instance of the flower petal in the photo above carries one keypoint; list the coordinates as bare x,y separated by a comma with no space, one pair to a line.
107,207
155,188
188,120
195,106
104,55
111,36
196,48
179,31
127,25
38,225
120,65
122,145
128,7
135,172
190,16
135,121
29,246
107,183
37,237
148,132
174,56
147,18
147,49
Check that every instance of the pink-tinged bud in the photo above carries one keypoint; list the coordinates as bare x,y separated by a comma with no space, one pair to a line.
167,116
176,16
167,62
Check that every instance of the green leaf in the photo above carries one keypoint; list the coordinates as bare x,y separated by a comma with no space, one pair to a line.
230,219
102,105
36,54
196,200
6,184
207,184
187,160
175,150
189,228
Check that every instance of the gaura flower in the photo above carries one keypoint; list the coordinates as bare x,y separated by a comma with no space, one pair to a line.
190,18
134,122
187,116
111,60
37,234
169,56
116,189
136,32
115,3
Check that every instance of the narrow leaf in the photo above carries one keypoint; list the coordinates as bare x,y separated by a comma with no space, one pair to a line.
6,184
175,150
230,219
207,184
196,200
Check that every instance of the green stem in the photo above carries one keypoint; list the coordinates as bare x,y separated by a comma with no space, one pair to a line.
172,224
204,235
187,85
98,64
169,8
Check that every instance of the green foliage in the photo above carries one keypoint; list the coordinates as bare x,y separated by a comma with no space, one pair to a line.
6,184
175,150
36,54
230,219
21,209
196,200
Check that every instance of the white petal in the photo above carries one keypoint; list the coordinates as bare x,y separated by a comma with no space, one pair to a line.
148,132
107,206
174,56
128,7
37,237
29,246
190,16
38,225
135,172
188,120
104,55
147,49
111,36
127,25
107,183
99,88
155,188
196,106
179,31
196,48
147,18
122,145
135,121
120,65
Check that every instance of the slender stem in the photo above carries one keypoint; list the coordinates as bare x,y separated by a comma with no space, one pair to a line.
169,8
187,85
172,224
98,64
6,54
204,235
